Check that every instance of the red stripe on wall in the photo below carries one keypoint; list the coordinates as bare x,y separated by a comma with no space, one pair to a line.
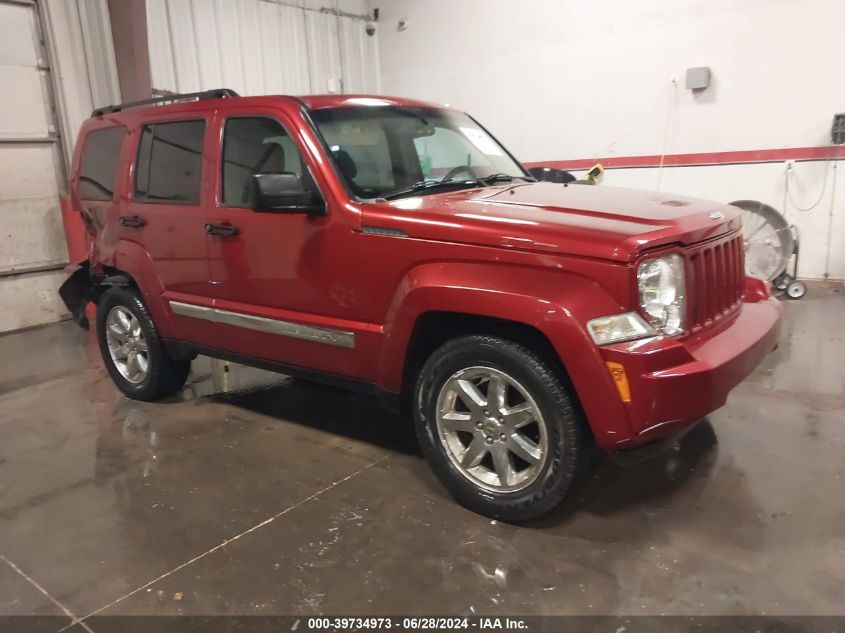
707,158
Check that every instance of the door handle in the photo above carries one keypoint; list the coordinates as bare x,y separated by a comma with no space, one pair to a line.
132,221
224,230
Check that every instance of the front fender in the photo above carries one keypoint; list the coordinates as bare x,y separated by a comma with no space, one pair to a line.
557,303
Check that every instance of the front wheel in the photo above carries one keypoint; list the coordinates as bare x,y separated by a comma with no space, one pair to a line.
132,351
498,427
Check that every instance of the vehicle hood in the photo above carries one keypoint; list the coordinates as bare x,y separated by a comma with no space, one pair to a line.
584,220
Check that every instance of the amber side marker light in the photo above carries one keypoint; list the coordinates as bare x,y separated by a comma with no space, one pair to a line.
617,372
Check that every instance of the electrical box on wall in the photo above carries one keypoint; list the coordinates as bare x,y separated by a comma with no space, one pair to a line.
698,78
837,132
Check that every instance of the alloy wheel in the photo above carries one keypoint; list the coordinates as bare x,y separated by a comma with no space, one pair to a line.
127,345
492,429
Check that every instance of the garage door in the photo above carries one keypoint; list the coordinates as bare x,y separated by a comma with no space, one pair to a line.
32,242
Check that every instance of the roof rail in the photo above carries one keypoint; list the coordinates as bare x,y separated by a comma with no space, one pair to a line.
218,93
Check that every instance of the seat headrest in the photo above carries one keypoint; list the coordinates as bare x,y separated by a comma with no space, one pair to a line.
275,152
345,163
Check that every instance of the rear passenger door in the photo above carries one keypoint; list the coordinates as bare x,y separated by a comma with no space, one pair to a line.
165,214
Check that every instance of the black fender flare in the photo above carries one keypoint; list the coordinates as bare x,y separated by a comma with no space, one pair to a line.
76,291
80,288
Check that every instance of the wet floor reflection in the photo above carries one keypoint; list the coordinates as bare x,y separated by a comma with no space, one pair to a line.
605,487
357,416
99,495
611,487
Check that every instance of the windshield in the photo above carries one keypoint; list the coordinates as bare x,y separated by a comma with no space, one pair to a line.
384,150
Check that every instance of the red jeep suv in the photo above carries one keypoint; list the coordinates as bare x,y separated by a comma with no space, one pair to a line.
395,246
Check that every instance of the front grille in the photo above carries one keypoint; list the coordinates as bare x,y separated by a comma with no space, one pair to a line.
718,280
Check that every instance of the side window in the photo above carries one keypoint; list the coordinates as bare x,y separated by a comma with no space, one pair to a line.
257,145
169,161
99,163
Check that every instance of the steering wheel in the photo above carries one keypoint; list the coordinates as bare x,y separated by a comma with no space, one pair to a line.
457,170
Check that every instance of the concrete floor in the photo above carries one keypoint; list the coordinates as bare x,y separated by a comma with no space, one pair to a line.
252,493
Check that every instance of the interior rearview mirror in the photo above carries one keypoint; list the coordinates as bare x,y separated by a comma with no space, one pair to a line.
283,193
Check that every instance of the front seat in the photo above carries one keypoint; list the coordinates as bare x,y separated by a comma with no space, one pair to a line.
347,168
345,163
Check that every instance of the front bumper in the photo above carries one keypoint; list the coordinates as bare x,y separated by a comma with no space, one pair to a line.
674,383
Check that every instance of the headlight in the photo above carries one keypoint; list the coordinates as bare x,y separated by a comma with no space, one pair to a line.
619,327
661,283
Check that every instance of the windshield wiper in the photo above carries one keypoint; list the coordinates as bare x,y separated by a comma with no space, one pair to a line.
425,185
502,177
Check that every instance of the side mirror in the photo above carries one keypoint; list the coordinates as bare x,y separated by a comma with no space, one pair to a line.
283,193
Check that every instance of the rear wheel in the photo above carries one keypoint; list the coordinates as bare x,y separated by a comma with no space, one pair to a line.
132,351
499,427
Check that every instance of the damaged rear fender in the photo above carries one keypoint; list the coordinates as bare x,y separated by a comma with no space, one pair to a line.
76,291
80,288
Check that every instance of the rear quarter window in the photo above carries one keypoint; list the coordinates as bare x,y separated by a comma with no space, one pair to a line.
98,168
169,162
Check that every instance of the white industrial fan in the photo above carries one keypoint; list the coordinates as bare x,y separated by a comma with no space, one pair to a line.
770,242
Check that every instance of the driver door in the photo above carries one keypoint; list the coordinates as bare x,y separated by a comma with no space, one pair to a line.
279,279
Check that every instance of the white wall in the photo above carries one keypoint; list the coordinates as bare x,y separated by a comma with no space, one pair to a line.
261,46
567,79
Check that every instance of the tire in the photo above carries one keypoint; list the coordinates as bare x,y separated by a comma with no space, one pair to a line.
533,385
163,376
796,289
782,282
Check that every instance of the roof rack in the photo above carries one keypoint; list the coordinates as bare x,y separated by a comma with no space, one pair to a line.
218,93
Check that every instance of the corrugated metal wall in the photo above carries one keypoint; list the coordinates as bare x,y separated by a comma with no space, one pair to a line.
259,47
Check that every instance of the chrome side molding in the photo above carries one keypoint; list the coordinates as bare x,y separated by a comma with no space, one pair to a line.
380,230
329,336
